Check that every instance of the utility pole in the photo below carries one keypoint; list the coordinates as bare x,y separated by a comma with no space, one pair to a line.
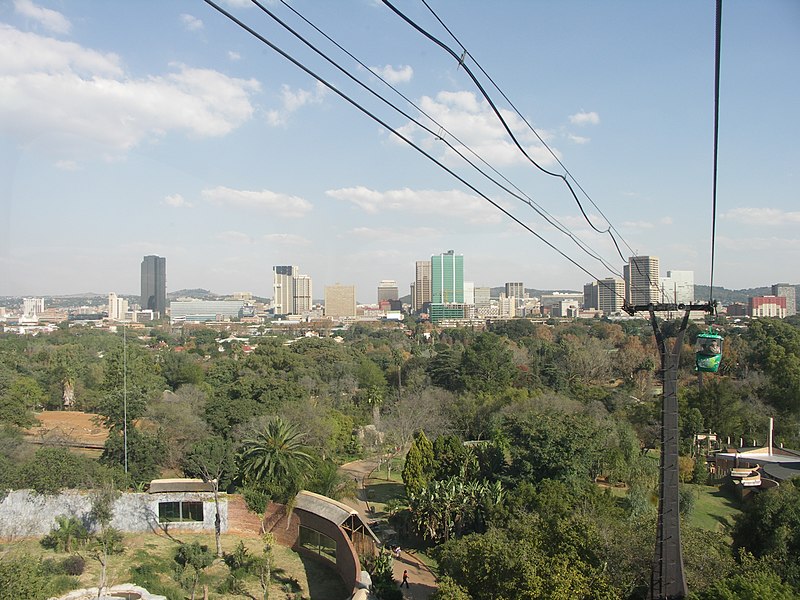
668,581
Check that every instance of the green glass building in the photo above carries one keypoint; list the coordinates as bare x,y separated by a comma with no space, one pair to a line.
447,278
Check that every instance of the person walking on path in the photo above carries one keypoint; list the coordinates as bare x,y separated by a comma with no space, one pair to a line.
405,578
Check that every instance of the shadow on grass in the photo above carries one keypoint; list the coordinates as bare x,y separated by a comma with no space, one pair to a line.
324,582
383,491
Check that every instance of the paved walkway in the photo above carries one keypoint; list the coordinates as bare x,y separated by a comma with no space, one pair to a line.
422,582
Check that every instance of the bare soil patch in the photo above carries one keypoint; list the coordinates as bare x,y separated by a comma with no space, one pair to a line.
73,428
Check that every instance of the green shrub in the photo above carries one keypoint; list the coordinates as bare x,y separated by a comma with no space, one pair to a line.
73,565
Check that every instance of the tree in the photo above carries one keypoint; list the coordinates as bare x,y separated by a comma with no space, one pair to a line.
193,559
769,528
130,381
145,453
213,461
418,468
107,540
275,456
747,586
19,401
69,530
487,364
178,368
448,589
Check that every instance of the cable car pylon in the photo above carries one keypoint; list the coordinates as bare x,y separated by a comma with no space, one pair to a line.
668,581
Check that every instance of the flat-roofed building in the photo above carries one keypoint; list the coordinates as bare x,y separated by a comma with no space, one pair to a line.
610,295
789,292
340,301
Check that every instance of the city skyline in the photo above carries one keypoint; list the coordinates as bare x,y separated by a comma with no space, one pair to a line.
206,147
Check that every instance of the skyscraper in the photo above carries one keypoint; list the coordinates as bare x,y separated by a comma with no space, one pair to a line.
642,280
387,290
154,284
301,294
789,292
422,285
678,287
340,300
610,295
515,289
283,289
447,278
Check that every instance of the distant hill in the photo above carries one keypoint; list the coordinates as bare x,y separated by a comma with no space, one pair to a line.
725,296
199,293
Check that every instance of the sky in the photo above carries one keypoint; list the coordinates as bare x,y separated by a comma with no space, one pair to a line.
152,127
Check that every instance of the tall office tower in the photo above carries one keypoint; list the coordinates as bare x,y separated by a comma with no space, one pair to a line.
422,285
447,278
32,306
515,289
610,294
678,287
387,290
340,300
301,294
283,288
154,284
789,292
483,297
642,280
117,307
469,292
591,300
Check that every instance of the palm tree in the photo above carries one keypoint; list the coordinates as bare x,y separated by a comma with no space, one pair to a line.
275,455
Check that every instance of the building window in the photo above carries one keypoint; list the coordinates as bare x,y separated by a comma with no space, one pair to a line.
179,511
317,542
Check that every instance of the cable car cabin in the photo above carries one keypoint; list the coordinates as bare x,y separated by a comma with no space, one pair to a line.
709,352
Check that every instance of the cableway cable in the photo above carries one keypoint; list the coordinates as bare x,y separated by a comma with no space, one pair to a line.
388,127
717,55
496,111
521,195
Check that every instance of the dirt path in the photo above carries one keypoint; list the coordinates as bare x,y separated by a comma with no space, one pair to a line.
422,582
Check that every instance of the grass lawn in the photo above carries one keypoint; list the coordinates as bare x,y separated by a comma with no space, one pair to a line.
714,509
152,555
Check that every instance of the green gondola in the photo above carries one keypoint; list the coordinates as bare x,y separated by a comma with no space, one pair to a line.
708,355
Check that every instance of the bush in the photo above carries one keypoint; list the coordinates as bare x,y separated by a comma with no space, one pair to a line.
73,565
257,499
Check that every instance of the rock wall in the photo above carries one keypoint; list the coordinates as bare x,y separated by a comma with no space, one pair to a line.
24,513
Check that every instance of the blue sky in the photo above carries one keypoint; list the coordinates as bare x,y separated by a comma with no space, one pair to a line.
150,127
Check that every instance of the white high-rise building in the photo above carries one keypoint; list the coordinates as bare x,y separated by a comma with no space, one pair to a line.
283,289
469,292
301,294
678,287
610,295
32,306
515,289
642,280
789,292
117,307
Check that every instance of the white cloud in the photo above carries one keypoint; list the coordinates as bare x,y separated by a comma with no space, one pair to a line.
67,165
191,22
393,234
473,122
280,204
401,74
99,105
453,204
578,139
287,239
763,216
177,201
47,18
234,237
759,244
292,100
638,224
234,56
584,118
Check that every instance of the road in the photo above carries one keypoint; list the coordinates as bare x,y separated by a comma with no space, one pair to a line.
422,582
